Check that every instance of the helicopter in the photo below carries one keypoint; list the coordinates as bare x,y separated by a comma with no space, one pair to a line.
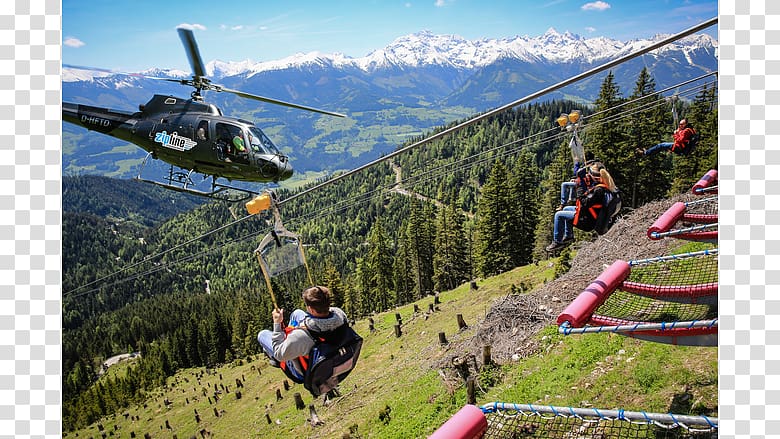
193,136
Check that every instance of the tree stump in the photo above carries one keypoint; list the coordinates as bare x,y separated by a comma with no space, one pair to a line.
486,360
397,330
461,323
442,338
299,401
278,394
471,390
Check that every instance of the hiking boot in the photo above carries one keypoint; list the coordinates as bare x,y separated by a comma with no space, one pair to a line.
559,245
555,246
640,151
560,208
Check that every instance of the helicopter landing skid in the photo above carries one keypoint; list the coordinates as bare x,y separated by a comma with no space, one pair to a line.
181,181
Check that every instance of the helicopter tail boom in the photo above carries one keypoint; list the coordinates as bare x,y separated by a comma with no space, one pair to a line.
99,119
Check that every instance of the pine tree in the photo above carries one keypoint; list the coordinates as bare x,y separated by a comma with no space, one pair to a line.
403,278
332,280
524,201
493,242
450,261
379,262
558,171
647,178
604,135
419,240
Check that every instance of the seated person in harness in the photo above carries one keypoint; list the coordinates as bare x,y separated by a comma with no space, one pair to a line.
570,189
598,201
685,139
315,335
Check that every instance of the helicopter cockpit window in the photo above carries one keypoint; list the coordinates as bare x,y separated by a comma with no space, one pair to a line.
260,142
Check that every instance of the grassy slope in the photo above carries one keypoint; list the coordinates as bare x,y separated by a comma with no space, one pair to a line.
598,370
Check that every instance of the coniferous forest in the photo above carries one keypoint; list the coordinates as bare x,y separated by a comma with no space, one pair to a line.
152,271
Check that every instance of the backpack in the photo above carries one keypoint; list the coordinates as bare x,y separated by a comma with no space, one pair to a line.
334,355
596,209
614,206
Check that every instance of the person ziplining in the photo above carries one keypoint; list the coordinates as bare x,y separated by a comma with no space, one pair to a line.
593,192
317,348
685,139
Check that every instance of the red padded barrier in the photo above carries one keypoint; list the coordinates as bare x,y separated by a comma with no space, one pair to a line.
468,423
580,309
692,291
667,220
707,180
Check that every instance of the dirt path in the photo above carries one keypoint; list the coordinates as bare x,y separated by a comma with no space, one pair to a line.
116,359
399,189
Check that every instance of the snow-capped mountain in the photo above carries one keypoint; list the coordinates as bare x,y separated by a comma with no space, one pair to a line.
417,82
424,48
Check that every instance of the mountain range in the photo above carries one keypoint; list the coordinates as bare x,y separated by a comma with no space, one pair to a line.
418,82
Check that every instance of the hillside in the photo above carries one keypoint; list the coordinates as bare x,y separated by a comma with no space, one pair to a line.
405,387
126,200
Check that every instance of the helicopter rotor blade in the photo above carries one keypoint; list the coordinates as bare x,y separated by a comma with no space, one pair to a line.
276,101
193,54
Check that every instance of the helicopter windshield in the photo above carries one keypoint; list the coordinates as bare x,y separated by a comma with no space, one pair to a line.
259,142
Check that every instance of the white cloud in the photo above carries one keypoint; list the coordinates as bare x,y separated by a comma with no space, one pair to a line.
440,3
596,6
189,26
73,42
239,27
590,29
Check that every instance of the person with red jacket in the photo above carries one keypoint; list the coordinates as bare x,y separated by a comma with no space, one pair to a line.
682,137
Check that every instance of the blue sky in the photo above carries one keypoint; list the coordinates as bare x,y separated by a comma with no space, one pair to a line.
136,35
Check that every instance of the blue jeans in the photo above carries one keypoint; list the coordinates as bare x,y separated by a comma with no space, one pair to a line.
563,227
264,336
568,192
661,146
